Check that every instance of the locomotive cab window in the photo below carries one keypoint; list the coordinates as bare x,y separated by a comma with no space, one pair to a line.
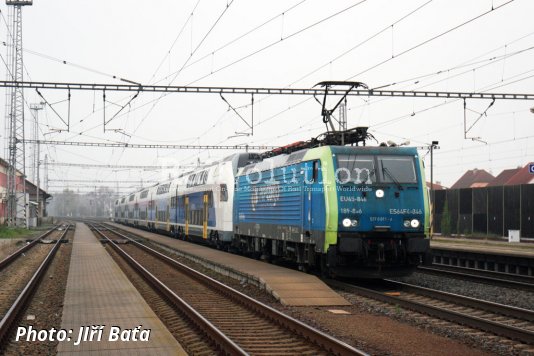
356,169
397,169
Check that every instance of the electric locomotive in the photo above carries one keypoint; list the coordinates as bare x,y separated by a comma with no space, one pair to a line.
352,211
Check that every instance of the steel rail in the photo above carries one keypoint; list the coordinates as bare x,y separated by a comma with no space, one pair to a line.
482,276
221,340
6,261
493,327
507,310
18,306
313,335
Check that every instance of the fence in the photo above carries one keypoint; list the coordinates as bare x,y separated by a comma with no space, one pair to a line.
489,211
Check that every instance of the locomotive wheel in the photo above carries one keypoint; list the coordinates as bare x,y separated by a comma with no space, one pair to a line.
325,270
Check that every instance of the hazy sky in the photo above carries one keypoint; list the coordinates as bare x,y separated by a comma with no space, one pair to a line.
279,44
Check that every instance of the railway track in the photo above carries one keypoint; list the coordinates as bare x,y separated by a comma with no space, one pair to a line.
20,275
9,259
497,319
507,280
234,322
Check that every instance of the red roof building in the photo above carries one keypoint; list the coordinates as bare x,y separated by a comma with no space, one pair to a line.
504,177
473,178
523,176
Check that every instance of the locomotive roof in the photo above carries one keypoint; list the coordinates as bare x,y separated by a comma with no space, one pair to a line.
238,160
298,156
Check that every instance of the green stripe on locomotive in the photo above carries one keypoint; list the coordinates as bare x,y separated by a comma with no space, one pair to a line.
324,154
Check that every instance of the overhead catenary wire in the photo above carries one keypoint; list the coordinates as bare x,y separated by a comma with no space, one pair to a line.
234,40
427,41
255,52
184,64
219,48
433,38
184,25
215,116
308,27
380,63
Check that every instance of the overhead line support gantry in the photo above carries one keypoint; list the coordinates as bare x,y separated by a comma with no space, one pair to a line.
264,91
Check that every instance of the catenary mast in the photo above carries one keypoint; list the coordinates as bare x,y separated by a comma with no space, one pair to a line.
14,123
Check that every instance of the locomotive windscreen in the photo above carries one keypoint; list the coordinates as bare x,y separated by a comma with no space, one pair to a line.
358,169
362,169
397,169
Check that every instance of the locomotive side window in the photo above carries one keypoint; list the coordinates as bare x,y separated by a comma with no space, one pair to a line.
397,169
357,169
315,175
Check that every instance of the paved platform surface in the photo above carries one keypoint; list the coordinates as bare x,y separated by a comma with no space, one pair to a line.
98,293
524,249
291,287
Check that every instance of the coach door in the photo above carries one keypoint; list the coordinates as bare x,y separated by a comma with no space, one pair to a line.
186,216
205,216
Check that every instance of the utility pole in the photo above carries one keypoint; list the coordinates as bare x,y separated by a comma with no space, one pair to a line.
14,123
46,172
34,134
36,155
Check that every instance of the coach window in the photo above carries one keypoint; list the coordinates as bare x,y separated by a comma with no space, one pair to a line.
224,192
210,199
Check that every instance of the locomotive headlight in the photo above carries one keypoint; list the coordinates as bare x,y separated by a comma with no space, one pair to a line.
407,223
347,222
379,193
354,223
414,223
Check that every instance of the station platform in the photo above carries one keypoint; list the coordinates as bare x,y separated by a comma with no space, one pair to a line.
518,249
99,293
290,287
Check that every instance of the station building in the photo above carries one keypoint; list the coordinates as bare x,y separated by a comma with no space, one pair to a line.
36,198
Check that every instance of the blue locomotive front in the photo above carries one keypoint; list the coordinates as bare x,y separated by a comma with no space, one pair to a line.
383,211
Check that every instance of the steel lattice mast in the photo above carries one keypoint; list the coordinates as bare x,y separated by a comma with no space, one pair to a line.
34,148
14,123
